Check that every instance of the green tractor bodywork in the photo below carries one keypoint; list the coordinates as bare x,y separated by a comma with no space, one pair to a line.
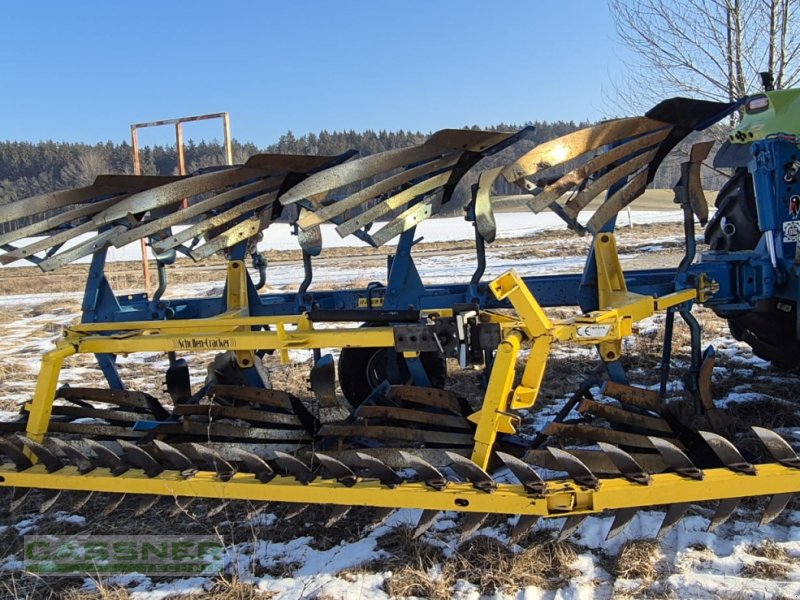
769,114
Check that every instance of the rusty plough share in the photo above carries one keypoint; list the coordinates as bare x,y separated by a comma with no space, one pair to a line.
407,443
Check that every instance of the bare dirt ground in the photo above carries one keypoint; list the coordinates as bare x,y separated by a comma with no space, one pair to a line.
298,558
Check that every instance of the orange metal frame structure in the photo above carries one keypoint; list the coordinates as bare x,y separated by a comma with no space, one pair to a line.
179,146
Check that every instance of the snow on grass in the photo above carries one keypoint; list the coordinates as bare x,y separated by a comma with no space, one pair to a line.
691,563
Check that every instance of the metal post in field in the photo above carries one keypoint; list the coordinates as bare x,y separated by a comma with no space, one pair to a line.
181,154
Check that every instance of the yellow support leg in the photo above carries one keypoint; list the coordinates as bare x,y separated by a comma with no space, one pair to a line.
492,418
43,397
527,391
238,304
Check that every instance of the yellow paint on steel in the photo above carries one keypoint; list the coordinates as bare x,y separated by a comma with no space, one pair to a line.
45,393
212,323
562,498
527,391
282,339
493,417
510,286
237,303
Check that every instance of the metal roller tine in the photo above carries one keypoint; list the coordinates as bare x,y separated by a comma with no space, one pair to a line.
176,459
255,464
472,522
113,504
576,469
621,519
526,475
49,500
379,517
471,472
294,511
676,459
82,462
105,457
337,514
594,433
139,458
21,462
181,507
372,468
426,520
255,509
215,510
674,514
523,526
571,525
221,467
294,467
79,500
725,509
626,464
727,453
145,505
775,507
340,471
429,474
322,381
778,447
18,497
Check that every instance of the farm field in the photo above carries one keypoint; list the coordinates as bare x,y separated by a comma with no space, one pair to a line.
272,557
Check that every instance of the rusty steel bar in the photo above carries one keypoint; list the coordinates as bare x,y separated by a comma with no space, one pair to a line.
137,166
137,170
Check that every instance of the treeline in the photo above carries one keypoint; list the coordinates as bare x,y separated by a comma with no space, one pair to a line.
27,169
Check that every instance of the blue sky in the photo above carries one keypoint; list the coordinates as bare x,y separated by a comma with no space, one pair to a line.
85,70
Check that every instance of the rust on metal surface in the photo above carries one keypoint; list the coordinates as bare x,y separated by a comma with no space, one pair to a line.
579,175
628,394
217,411
172,193
590,433
619,200
412,416
582,199
598,462
358,198
426,396
616,414
405,434
273,398
578,143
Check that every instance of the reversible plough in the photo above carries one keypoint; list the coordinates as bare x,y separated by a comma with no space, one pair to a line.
404,441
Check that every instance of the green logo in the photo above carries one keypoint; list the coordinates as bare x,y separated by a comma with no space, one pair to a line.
123,554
